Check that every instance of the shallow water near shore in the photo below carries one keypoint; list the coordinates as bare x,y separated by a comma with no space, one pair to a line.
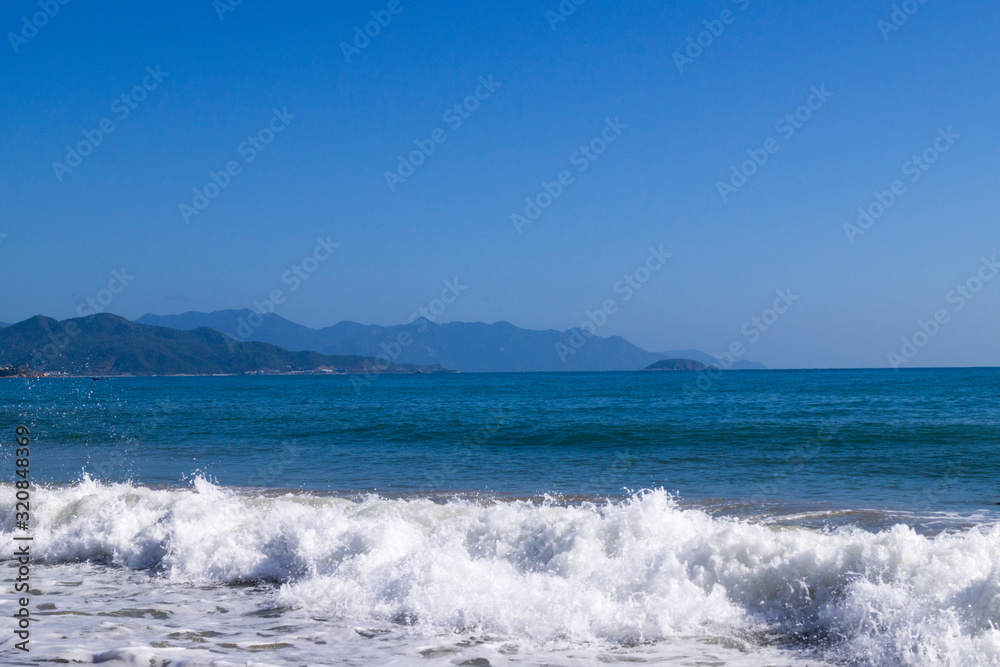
811,517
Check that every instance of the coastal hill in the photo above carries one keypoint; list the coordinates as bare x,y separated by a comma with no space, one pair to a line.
111,345
677,365
462,346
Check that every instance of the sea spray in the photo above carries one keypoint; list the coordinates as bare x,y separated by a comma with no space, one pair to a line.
549,573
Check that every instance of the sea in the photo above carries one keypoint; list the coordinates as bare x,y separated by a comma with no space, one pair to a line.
748,518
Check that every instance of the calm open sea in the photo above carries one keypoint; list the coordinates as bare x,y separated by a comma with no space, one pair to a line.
765,518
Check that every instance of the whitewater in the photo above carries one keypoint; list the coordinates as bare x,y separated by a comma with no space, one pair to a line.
207,575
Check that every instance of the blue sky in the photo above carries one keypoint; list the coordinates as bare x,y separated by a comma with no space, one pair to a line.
323,175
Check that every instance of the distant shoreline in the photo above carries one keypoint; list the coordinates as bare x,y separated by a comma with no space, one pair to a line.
451,372
65,376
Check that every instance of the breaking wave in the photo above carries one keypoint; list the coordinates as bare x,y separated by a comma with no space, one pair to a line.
636,571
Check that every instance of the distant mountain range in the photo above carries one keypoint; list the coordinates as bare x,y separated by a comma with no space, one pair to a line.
111,345
462,346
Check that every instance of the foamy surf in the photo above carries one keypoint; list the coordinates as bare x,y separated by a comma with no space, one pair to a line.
206,575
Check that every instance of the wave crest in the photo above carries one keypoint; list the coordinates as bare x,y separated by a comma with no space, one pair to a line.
634,571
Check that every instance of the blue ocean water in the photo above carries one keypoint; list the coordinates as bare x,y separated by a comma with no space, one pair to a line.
913,440
755,518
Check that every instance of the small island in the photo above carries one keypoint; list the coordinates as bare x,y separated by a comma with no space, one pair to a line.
677,365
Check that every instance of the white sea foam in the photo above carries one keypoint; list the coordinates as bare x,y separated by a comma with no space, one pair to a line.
512,579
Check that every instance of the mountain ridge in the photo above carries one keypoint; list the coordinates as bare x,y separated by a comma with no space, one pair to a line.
461,346
107,344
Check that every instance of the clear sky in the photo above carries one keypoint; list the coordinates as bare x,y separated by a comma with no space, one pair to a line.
329,122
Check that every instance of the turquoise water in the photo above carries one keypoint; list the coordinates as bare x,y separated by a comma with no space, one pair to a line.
767,518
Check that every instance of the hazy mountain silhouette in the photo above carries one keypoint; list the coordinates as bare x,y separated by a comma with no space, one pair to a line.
462,346
111,345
